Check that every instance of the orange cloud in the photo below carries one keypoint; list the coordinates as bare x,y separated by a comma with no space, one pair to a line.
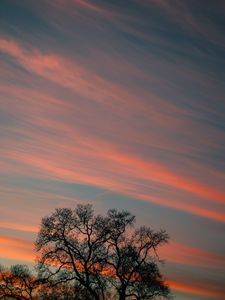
194,209
115,164
71,74
121,165
159,173
195,290
184,254
14,248
95,160
20,227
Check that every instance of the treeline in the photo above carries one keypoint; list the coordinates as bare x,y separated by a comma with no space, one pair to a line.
81,255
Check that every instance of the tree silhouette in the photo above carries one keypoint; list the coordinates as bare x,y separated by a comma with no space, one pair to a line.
73,242
101,253
84,256
17,283
20,283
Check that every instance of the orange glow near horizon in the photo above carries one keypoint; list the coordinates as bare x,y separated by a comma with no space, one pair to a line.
16,249
194,290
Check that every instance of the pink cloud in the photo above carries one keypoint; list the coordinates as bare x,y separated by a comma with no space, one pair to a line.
185,254
195,290
86,158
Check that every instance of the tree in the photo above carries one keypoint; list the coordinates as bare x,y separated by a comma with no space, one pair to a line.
17,283
132,256
71,244
100,253
63,291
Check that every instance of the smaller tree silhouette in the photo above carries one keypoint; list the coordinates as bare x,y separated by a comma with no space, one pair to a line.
17,283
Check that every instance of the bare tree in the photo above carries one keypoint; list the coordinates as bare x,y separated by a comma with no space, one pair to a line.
132,257
99,253
20,283
63,291
71,244
17,283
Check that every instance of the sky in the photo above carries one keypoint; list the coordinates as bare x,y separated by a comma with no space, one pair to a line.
120,104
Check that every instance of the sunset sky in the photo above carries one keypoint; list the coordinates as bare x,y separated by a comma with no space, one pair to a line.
120,104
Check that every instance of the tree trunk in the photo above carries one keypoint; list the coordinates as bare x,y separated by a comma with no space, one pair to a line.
122,294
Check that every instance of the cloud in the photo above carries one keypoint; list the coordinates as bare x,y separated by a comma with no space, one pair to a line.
195,290
194,18
20,227
185,254
122,170
13,248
